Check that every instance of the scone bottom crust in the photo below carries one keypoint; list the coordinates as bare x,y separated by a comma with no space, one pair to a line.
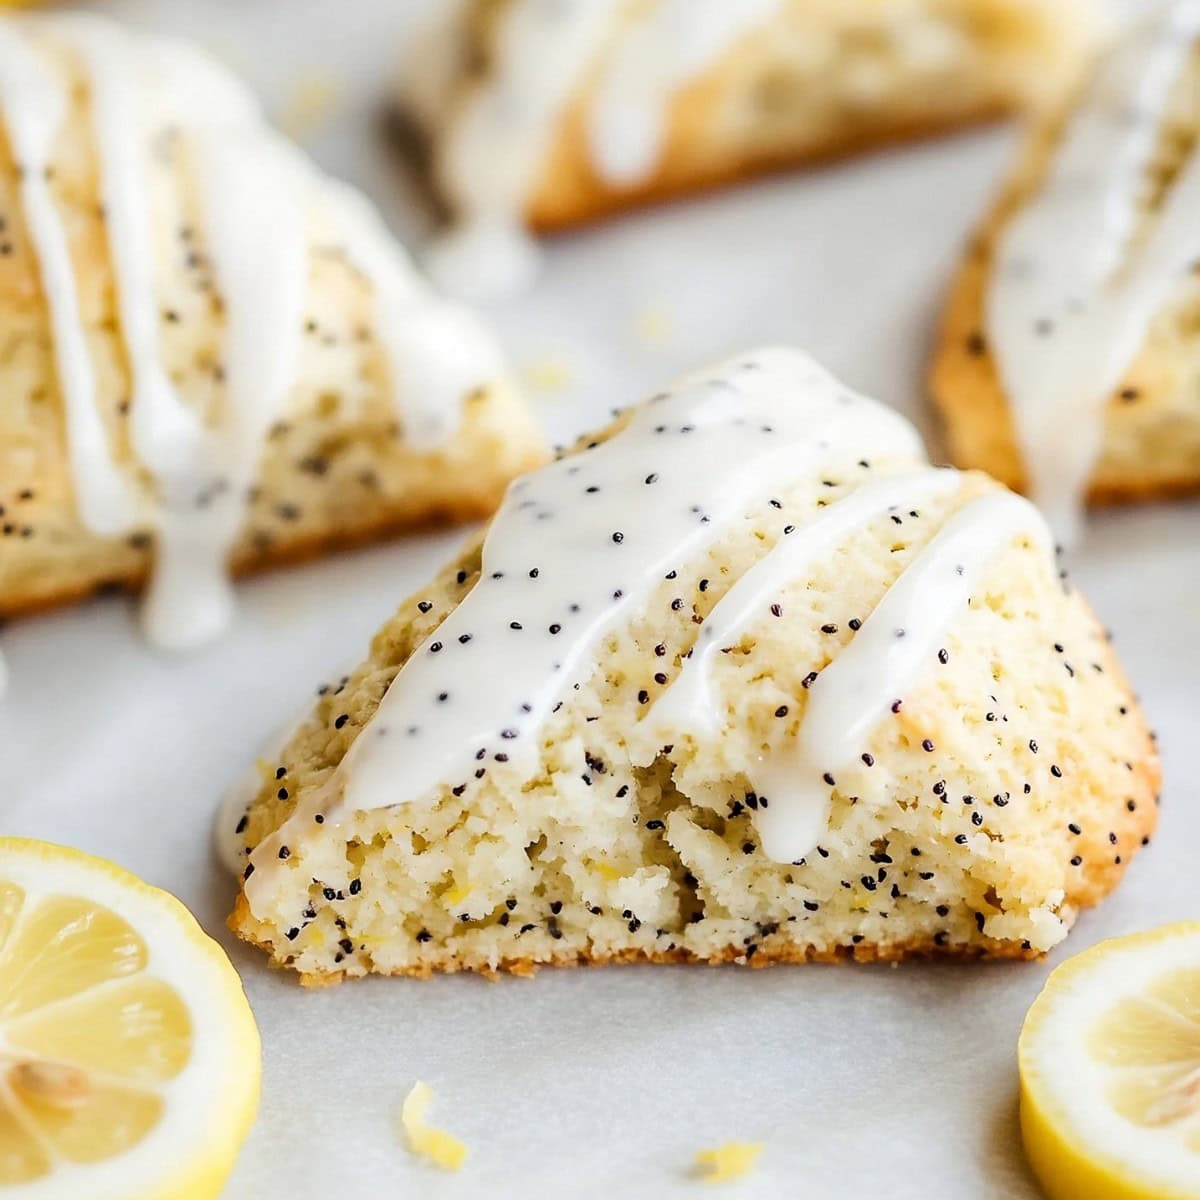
1005,786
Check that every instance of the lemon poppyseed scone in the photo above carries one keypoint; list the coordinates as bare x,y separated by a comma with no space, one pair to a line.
742,678
1069,364
546,114
211,355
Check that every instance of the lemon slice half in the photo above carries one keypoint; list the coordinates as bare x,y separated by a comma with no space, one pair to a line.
1110,1071
129,1058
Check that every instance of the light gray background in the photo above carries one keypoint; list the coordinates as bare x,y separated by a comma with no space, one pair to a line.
897,1083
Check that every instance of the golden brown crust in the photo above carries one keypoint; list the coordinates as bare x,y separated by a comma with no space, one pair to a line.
766,955
976,422
572,193
370,525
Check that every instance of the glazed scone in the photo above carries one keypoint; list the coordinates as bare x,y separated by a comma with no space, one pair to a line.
213,355
742,678
545,115
1069,361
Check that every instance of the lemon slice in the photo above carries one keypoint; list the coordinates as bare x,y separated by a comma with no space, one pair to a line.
1110,1071
129,1058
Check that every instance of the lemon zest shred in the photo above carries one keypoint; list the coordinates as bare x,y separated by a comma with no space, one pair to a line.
654,325
458,893
607,872
314,96
730,1160
548,375
437,1145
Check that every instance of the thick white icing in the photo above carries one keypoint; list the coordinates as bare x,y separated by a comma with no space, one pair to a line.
690,465
260,203
1071,298
438,352
544,49
895,645
493,149
688,704
671,45
34,105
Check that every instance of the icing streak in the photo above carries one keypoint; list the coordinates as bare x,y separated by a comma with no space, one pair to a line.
689,704
261,206
1073,292
544,52
673,44
34,105
896,643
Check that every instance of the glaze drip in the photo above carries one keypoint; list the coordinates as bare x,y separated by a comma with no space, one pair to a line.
851,696
689,704
544,51
262,207
1072,292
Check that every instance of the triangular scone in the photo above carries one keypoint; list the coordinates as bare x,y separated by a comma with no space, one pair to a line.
1069,363
545,115
212,353
741,678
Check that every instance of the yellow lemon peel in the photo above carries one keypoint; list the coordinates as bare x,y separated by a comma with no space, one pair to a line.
440,1147
730,1160
548,375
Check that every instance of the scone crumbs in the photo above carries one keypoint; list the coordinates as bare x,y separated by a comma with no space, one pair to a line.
440,1147
313,97
730,1160
654,326
548,375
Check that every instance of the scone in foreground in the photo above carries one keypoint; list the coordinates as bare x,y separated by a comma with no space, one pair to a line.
741,678
547,115
1069,364
213,355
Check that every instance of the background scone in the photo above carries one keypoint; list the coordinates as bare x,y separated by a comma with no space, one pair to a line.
742,678
551,114
1069,364
212,354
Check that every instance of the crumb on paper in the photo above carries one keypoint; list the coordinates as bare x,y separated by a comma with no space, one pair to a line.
654,325
312,98
548,375
730,1160
437,1145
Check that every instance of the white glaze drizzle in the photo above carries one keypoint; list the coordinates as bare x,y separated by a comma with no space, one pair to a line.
34,107
688,704
674,43
888,654
438,352
254,222
1069,303
258,197
492,148
492,151
573,552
